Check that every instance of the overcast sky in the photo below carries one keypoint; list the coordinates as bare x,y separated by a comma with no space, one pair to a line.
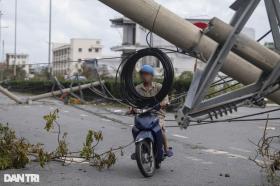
90,19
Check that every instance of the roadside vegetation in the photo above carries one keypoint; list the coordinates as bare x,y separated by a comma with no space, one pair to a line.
18,152
267,156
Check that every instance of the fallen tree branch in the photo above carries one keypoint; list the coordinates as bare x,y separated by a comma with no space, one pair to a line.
268,157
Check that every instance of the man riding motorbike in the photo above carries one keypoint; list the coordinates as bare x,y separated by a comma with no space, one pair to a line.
149,88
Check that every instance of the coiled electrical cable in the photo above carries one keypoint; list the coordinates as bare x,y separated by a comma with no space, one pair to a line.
127,87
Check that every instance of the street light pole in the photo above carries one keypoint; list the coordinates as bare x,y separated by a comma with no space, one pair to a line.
50,38
3,49
15,49
1,58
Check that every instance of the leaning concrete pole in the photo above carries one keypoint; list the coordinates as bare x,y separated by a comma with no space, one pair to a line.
10,95
59,92
245,47
185,35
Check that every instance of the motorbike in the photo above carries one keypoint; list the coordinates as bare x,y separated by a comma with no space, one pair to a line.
148,140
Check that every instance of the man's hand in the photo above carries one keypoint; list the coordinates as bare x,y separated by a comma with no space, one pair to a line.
131,110
163,105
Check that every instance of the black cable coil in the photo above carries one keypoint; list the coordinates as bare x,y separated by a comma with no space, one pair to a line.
127,87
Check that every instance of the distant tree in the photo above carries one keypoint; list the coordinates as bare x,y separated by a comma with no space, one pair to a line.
8,73
186,75
88,71
42,74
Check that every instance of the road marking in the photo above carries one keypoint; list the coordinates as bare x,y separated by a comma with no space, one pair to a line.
105,120
219,152
199,160
83,115
180,136
194,158
76,160
268,128
116,111
239,149
65,111
207,162
213,151
237,156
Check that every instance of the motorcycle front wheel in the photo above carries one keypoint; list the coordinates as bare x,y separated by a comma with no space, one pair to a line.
145,158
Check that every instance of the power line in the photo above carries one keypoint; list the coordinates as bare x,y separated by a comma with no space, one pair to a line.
50,37
15,49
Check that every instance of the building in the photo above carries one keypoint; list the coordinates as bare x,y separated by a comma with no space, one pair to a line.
271,46
135,38
20,60
69,57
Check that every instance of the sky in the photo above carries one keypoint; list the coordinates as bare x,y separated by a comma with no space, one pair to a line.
90,19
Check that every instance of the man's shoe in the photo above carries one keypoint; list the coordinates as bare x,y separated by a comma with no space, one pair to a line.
169,153
133,156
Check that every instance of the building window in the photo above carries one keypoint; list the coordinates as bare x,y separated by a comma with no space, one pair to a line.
90,49
97,50
98,42
80,49
79,60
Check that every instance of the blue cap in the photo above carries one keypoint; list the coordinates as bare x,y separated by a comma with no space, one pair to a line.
147,69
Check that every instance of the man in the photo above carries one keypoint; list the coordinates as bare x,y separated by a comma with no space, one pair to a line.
149,88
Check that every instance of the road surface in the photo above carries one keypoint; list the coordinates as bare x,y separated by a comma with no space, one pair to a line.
203,154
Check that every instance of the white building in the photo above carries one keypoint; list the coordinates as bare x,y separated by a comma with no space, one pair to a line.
68,57
20,60
135,38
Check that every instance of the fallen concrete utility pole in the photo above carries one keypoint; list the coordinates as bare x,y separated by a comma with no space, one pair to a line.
10,95
245,47
59,92
185,35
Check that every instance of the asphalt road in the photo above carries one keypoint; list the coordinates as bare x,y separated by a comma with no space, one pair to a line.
203,154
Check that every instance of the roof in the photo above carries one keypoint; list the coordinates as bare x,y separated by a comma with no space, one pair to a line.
18,54
121,21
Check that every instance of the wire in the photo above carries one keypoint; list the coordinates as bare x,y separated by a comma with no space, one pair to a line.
127,87
224,89
262,37
236,119
70,61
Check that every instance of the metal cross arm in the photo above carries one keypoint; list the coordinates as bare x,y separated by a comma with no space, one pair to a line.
267,84
273,12
270,82
203,79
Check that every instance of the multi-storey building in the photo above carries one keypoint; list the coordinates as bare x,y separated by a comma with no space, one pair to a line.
20,60
68,58
271,46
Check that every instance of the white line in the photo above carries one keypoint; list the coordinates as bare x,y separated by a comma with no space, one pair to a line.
213,151
76,160
237,156
207,162
180,136
219,152
239,149
268,128
194,158
105,120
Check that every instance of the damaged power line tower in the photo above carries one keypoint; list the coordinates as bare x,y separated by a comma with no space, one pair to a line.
222,47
